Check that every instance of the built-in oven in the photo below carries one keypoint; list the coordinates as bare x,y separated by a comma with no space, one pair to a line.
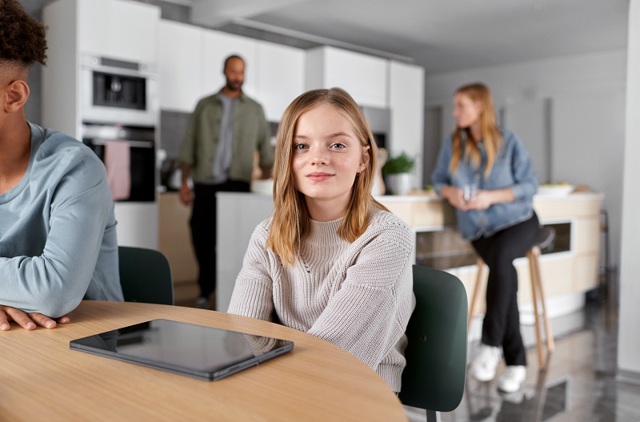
139,143
119,91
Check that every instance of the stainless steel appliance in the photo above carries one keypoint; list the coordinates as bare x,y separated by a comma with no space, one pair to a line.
119,103
379,120
118,91
141,141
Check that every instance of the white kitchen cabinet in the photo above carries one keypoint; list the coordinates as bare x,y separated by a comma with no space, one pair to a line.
216,48
191,67
114,29
406,101
246,211
180,65
280,77
117,29
361,75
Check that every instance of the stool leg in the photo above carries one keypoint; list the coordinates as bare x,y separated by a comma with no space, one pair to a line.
476,290
533,270
545,316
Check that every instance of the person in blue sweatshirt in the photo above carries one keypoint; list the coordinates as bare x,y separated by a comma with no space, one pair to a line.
58,241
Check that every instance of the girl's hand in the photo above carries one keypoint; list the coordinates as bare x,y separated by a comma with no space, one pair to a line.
482,200
455,196
485,198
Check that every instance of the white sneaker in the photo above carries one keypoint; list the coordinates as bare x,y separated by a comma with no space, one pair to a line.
512,378
484,366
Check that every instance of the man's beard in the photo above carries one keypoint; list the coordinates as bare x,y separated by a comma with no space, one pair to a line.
234,86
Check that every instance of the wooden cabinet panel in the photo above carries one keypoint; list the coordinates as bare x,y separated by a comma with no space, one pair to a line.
587,235
404,210
429,214
548,207
556,274
175,243
585,274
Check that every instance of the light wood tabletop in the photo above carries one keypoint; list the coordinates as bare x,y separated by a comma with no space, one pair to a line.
42,379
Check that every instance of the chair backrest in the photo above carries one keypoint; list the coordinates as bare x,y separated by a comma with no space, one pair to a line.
436,354
145,275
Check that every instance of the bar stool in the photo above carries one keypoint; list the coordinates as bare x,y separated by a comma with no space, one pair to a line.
544,238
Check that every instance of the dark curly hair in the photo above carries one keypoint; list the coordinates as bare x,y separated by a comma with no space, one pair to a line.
22,38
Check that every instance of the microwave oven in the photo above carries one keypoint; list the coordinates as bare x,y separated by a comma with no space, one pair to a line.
118,91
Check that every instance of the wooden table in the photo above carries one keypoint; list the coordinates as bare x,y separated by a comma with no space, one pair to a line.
42,379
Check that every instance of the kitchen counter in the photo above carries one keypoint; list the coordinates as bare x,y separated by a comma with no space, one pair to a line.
567,273
174,240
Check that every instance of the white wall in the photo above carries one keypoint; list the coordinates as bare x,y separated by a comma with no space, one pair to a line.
628,338
586,96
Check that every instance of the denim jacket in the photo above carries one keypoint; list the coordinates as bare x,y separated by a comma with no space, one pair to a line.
511,169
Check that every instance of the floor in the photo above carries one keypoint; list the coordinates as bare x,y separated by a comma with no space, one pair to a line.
580,383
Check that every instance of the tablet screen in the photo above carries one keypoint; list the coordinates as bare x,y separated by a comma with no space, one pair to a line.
188,349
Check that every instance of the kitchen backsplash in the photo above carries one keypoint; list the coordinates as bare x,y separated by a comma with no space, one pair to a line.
173,125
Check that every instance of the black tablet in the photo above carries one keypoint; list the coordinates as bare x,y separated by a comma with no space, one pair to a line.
188,349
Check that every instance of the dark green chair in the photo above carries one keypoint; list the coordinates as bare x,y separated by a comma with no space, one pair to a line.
436,354
145,275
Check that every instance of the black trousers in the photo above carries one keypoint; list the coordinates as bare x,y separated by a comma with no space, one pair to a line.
203,230
501,325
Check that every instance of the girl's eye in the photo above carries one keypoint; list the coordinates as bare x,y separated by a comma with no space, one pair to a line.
300,147
338,146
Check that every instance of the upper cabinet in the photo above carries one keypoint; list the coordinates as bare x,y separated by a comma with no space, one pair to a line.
113,29
362,76
280,77
381,83
406,101
117,28
180,65
191,63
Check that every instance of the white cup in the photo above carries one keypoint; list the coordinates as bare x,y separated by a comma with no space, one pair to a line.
469,192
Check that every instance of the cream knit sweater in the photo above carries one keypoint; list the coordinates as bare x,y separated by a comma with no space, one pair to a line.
358,296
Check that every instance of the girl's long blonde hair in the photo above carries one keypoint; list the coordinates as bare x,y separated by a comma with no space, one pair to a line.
291,219
491,137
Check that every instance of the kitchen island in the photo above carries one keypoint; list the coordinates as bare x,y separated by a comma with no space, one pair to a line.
569,268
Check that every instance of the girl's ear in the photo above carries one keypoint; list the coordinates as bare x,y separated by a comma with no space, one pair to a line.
365,159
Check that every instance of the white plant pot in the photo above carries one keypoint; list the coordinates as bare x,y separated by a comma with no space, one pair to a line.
399,184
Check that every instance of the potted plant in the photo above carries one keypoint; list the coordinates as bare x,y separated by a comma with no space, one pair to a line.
397,171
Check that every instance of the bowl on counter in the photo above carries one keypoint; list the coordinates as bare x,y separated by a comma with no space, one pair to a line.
555,190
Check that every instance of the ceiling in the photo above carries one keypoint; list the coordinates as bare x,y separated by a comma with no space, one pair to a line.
440,35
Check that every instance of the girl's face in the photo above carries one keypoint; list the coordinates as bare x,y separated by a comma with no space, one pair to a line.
327,155
466,111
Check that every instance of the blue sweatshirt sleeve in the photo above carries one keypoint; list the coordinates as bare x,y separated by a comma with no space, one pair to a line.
49,254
